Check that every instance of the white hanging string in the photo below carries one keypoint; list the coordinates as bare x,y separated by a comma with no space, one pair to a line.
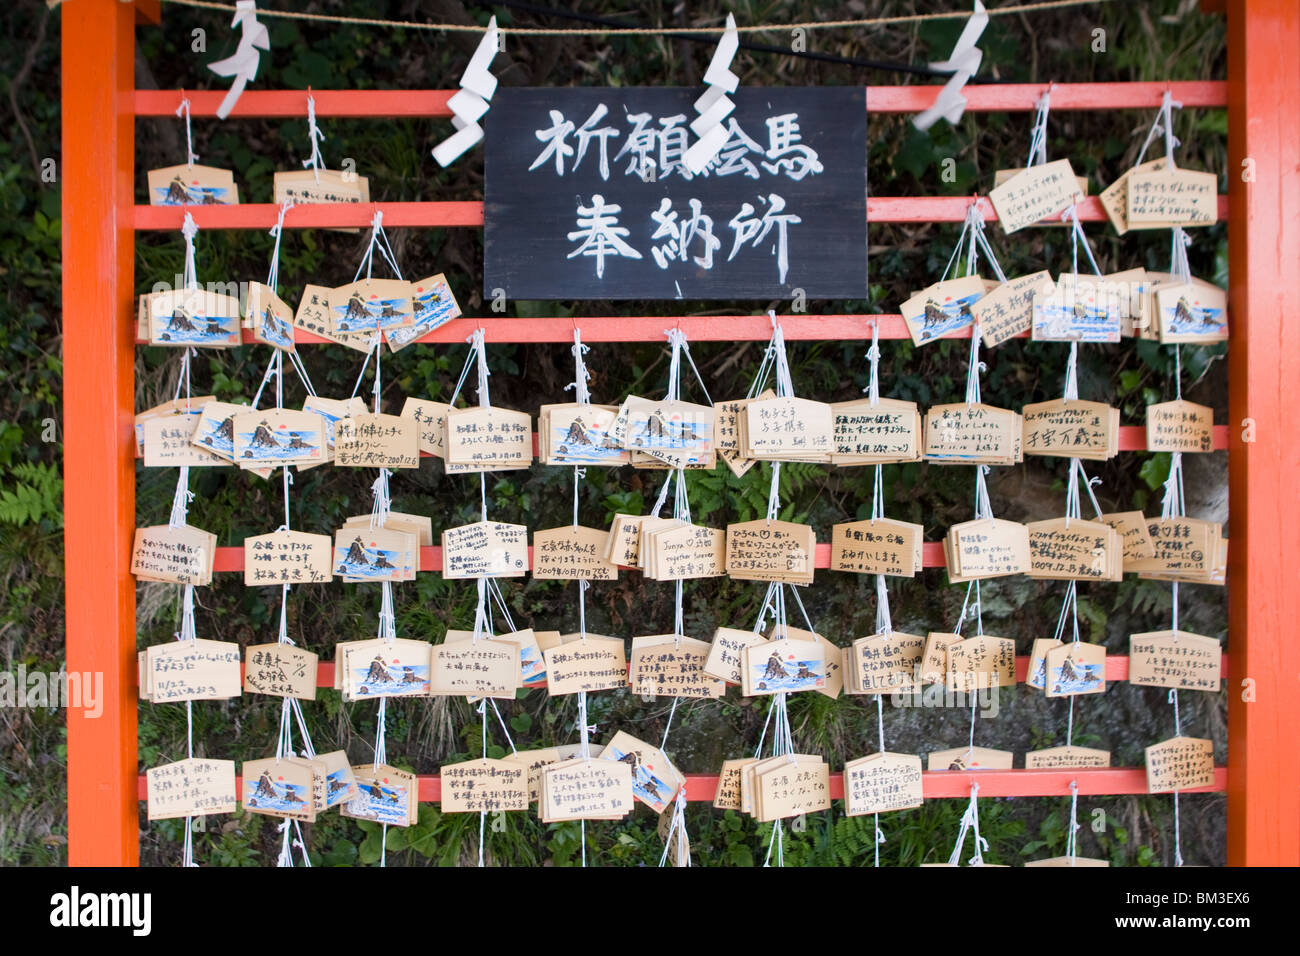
277,231
970,821
978,237
884,625
580,374
1164,122
1175,506
189,229
973,368
1038,136
191,157
873,356
963,241
314,162
1071,838
983,509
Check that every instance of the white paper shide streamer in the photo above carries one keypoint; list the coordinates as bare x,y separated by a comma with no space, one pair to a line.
964,62
470,102
242,65
714,106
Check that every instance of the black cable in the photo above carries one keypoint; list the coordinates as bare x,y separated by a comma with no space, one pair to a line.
883,65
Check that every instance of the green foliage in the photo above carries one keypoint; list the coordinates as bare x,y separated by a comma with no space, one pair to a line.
36,496
901,161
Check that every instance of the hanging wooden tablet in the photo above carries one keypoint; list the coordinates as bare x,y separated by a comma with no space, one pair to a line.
726,652
433,305
682,552
190,788
376,441
1195,312
269,317
1114,198
788,429
1007,310
1161,198
485,549
381,668
280,670
933,666
574,434
888,432
971,434
313,315
384,795
987,548
168,442
581,789
727,794
655,781
942,308
570,553
1067,758
877,546
192,185
308,186
1075,309
980,662
1075,668
884,664
770,551
279,788
182,555
1180,763
785,665
1034,194
278,436
1071,428
431,424
482,668
728,417
799,784
671,665
340,783
483,786
1176,659
489,438
187,407
882,783
598,663
1133,535
969,758
1036,674
1072,549
375,554
194,317
677,433
192,670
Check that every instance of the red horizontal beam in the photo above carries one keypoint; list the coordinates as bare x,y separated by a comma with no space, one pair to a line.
935,784
470,213
650,328
388,104
310,216
232,558
1131,438
1116,670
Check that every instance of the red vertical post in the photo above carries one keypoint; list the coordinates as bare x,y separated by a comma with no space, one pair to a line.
1264,453
98,381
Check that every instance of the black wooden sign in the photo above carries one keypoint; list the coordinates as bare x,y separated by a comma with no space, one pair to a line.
587,196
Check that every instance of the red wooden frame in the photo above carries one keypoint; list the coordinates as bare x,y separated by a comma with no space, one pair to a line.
935,784
99,107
